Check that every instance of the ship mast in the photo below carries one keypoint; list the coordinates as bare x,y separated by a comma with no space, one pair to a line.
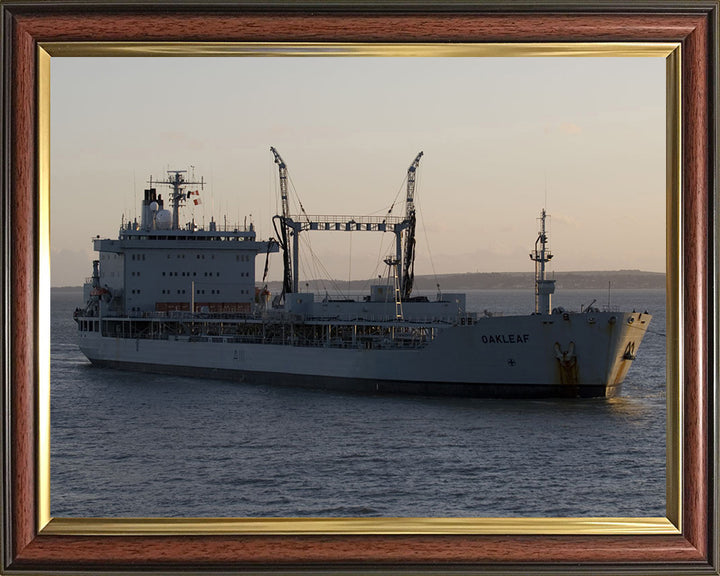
177,196
541,255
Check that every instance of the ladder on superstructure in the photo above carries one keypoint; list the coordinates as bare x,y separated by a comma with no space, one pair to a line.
393,264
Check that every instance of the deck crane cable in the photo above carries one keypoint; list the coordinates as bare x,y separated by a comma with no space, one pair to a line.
402,187
274,184
313,268
312,274
427,243
309,266
297,199
284,220
323,274
378,261
316,270
410,190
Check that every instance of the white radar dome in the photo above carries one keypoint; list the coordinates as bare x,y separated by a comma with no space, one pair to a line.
154,206
163,220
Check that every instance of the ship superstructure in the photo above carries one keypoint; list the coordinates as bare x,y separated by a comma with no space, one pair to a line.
161,266
182,299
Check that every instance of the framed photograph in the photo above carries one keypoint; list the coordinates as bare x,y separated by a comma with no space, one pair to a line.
683,34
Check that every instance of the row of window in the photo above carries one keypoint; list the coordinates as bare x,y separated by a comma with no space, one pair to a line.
205,274
137,308
217,274
216,291
238,257
194,274
198,291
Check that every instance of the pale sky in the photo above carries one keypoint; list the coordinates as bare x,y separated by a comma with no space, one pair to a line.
502,137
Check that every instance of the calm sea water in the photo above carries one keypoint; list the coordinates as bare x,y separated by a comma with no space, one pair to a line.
138,445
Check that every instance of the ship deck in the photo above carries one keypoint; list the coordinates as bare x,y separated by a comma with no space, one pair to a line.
280,330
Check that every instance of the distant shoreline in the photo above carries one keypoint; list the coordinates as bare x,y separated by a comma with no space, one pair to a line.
617,279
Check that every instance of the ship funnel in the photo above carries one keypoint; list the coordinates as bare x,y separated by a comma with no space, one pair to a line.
147,213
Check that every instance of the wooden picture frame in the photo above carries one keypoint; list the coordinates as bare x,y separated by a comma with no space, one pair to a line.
687,542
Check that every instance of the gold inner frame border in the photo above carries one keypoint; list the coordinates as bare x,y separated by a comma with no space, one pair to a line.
670,524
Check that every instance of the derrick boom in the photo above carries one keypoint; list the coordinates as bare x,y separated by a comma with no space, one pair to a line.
285,226
408,250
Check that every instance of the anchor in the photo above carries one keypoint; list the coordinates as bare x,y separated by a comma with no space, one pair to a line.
629,351
568,363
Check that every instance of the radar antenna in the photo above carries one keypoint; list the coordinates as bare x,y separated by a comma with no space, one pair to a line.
178,196
541,255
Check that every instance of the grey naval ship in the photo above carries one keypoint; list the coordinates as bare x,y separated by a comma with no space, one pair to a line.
183,299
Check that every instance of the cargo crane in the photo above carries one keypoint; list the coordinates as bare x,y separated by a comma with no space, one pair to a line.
285,225
408,250
292,225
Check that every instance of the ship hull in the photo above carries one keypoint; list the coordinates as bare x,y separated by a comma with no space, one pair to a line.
563,355
366,386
